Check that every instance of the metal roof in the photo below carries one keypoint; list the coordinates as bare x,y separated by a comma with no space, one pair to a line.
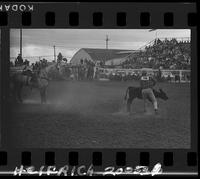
107,54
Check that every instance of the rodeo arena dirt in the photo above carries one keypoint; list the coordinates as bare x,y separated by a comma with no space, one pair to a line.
86,102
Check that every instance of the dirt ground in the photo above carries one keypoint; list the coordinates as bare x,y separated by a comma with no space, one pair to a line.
92,115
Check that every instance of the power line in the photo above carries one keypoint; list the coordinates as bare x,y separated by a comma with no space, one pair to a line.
36,56
39,56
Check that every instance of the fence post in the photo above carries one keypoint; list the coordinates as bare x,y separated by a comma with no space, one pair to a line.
180,75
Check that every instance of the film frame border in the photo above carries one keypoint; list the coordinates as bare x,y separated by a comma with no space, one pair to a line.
121,17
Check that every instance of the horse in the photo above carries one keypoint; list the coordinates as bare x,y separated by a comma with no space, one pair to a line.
136,92
17,81
65,72
38,80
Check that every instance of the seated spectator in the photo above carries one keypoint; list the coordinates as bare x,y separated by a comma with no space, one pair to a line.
170,54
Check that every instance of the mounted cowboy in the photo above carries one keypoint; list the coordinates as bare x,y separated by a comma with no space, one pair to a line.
19,60
59,58
33,80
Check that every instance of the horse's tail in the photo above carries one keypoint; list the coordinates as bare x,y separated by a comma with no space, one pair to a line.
127,90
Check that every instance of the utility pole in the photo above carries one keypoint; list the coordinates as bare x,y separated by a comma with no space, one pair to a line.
54,47
156,36
20,36
107,39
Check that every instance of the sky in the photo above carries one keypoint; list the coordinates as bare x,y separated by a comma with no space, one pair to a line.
40,42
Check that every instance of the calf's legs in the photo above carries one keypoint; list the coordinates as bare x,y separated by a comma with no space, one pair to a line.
43,95
128,105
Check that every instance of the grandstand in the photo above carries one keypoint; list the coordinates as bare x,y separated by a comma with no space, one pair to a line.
169,55
173,54
180,39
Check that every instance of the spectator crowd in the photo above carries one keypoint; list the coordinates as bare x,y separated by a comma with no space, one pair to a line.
85,70
19,61
166,54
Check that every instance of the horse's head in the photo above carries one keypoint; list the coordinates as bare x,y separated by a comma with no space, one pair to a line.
163,95
57,66
53,68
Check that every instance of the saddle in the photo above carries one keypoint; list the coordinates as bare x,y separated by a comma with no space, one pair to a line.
34,78
32,75
27,72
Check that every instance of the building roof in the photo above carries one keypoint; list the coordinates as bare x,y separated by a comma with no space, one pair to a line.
107,54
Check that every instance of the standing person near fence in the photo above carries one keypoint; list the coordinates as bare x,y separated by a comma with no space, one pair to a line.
19,60
147,82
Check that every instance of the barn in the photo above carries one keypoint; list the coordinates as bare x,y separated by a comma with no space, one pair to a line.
107,56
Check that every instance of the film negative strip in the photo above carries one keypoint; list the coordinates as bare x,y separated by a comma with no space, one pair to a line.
98,88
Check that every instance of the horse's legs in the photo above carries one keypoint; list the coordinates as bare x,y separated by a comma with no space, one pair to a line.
43,95
45,99
128,105
14,92
19,89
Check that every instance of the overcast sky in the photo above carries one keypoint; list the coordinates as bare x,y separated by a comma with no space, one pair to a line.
40,42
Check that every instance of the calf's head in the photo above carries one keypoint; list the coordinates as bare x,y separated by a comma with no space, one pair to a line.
163,95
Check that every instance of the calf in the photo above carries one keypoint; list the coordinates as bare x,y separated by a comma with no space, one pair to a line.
136,92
